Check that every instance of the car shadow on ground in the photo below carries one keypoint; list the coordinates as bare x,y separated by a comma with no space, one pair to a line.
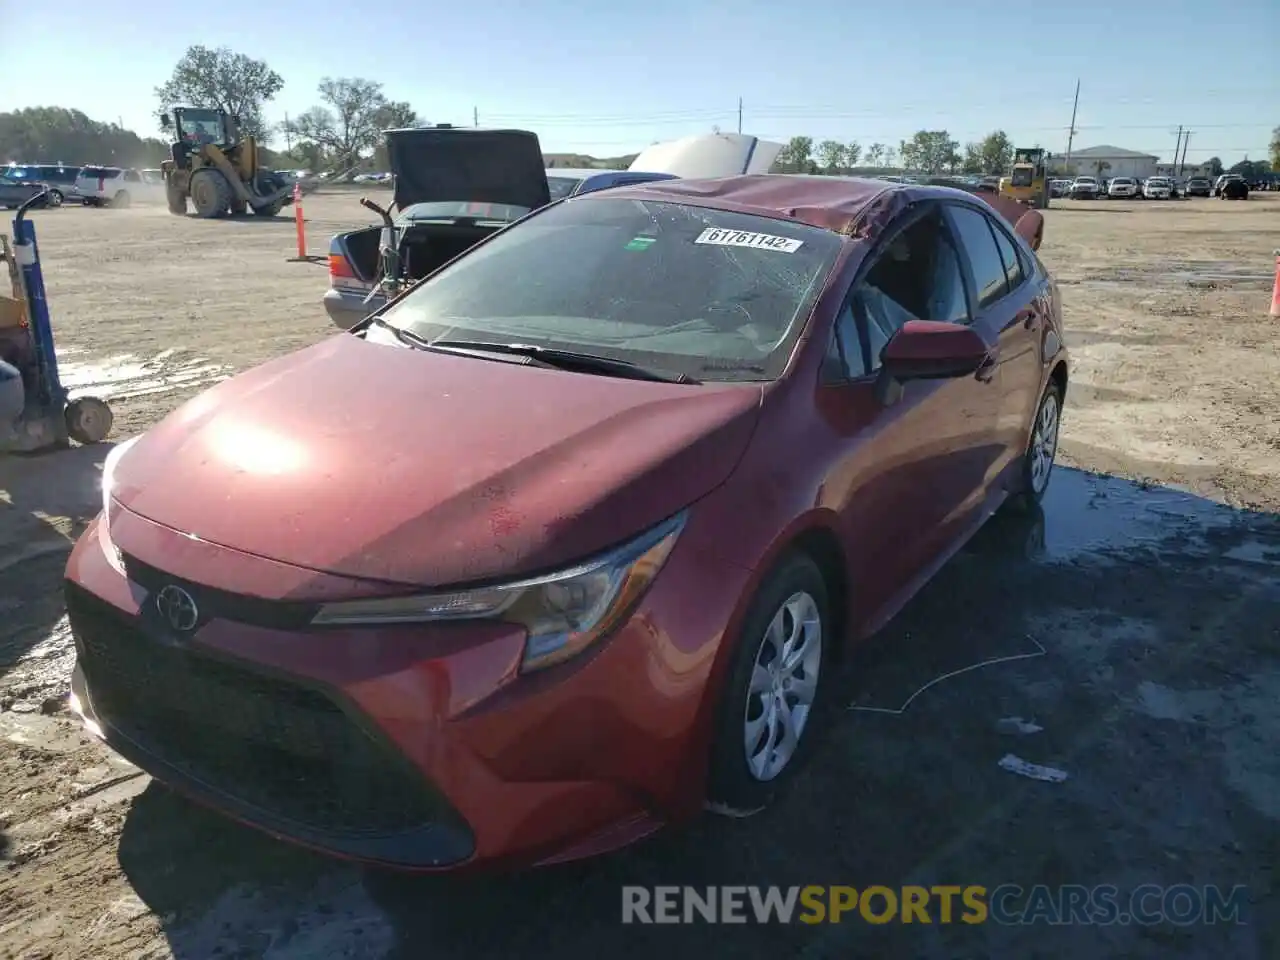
1138,630
45,502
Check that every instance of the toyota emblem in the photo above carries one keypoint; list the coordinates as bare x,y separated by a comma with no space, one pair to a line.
178,608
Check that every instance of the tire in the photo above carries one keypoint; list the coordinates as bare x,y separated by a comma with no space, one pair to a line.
121,200
739,784
210,194
54,199
265,185
88,420
1036,472
176,199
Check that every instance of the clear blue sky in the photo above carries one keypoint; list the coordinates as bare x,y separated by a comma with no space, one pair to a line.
605,79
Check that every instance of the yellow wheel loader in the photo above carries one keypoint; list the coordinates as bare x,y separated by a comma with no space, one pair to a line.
1028,181
217,169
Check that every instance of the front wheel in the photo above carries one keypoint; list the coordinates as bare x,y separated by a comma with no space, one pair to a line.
773,689
121,200
54,199
210,193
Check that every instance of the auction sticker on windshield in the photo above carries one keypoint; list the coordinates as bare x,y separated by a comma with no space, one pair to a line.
742,238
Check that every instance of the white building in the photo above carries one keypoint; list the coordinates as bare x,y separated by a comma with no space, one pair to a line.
1188,170
1106,161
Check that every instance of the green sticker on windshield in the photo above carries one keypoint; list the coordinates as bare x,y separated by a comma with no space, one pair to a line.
641,243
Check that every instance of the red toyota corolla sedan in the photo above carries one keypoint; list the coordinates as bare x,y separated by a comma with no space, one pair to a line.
561,545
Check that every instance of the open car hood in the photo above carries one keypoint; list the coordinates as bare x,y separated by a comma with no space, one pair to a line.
437,164
711,155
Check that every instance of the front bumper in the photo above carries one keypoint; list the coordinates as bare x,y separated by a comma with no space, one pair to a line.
410,747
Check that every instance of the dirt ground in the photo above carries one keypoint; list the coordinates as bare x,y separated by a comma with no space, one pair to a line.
1145,600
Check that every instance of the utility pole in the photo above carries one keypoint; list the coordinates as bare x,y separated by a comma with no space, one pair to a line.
475,116
1186,138
1177,147
288,135
739,114
1071,131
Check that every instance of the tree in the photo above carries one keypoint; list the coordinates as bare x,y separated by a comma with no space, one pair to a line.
56,134
1100,167
995,153
224,80
351,118
831,156
929,151
796,157
1275,149
852,151
875,155
1215,166
1251,169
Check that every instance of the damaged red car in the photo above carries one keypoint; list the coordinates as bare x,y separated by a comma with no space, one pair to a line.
562,545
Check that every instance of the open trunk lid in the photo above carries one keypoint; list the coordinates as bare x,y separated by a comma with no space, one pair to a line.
712,155
437,164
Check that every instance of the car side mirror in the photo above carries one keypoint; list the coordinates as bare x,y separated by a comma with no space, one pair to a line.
166,121
932,350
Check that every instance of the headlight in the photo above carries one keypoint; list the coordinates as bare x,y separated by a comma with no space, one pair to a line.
564,613
108,488
109,473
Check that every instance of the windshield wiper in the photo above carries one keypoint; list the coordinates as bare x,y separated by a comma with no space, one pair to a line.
407,337
566,360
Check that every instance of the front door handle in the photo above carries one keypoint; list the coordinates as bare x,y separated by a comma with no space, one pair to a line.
987,369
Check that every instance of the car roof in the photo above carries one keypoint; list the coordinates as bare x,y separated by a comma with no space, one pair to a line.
853,206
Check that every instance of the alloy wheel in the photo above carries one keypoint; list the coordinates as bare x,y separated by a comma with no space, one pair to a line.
1044,443
783,685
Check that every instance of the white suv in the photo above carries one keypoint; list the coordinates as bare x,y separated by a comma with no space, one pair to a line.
1123,187
115,187
1157,188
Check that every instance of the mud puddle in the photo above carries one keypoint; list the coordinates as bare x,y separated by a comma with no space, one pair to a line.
1098,517
126,376
41,678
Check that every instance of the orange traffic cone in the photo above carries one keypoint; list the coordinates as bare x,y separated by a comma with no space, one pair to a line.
1275,290
299,221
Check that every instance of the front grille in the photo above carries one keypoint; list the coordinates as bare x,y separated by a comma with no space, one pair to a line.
222,604
277,746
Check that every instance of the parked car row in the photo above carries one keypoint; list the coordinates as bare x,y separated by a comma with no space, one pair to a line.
1135,188
93,186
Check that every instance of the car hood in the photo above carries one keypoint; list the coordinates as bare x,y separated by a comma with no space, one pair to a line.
393,464
709,156
435,164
